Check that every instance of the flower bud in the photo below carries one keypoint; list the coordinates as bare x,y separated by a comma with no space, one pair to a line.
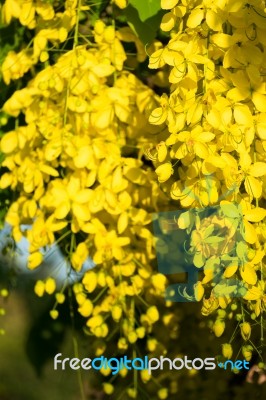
199,291
163,393
108,388
153,314
247,352
245,330
116,312
227,350
218,327
221,313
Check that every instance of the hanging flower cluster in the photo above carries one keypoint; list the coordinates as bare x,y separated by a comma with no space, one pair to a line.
215,147
76,166
50,27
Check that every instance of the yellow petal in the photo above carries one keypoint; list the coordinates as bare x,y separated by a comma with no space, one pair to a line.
158,116
248,274
250,232
201,150
243,115
9,142
195,18
258,169
168,4
259,101
168,22
253,294
199,291
256,214
122,222
164,171
49,170
34,260
62,210
81,211
222,40
214,20
156,60
230,271
253,187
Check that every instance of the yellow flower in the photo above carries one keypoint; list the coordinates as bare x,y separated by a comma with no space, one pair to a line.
34,260
109,246
86,308
79,256
42,231
90,281
253,186
194,143
15,65
153,314
66,196
159,282
10,9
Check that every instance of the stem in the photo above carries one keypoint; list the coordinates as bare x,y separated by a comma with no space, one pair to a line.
75,342
76,38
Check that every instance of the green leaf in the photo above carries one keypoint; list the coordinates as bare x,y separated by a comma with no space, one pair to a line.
146,8
241,250
208,231
185,219
213,240
198,260
223,290
226,258
145,30
212,263
230,210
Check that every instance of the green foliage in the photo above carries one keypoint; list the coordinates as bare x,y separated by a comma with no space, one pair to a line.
144,20
146,9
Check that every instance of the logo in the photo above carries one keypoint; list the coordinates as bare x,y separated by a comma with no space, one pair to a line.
237,365
206,241
145,363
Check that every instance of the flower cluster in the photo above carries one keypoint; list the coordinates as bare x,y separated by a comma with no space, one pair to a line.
215,144
77,168
50,27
